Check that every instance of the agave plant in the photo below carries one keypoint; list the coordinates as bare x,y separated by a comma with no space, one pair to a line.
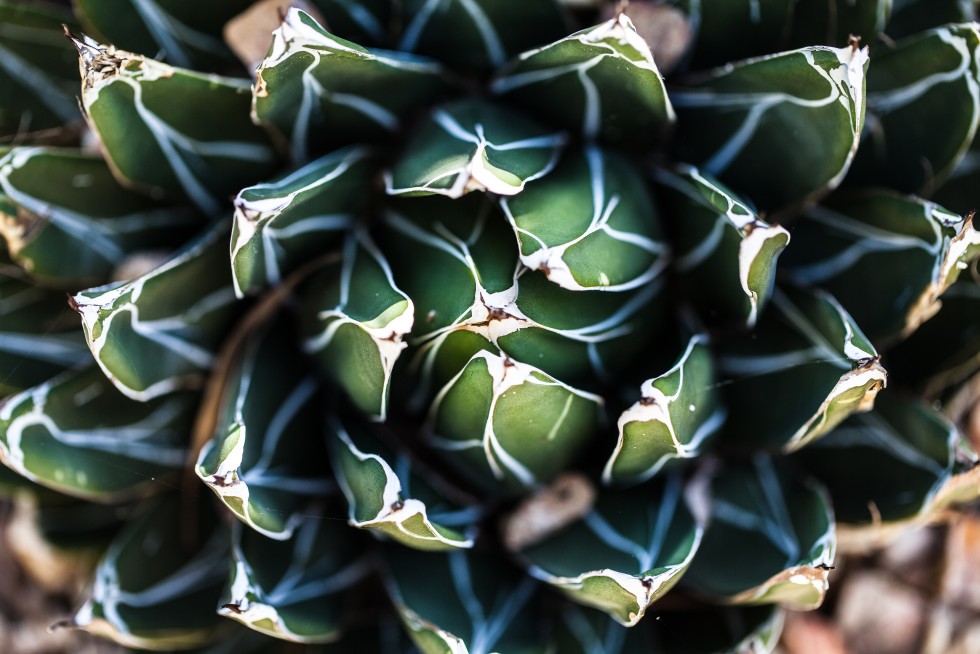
469,317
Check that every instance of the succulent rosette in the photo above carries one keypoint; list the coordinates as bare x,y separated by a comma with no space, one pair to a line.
487,326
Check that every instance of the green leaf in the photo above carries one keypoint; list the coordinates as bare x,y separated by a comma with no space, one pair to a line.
625,553
912,16
170,131
944,351
470,145
805,368
590,224
833,22
38,70
735,29
958,192
182,32
895,465
929,79
771,538
322,92
853,244
69,222
477,34
154,590
265,460
284,223
294,590
39,336
746,123
600,82
508,425
726,253
159,332
364,21
676,415
463,602
698,629
355,319
388,493
78,435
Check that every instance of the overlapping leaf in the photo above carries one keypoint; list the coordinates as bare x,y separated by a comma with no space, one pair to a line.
477,34
471,145
152,589
833,22
38,335
185,134
625,553
805,368
480,604
355,320
734,29
609,85
265,460
294,590
387,492
322,92
912,16
159,332
509,425
38,73
69,222
79,435
590,224
748,122
364,21
863,236
289,220
184,32
675,416
726,252
780,529
894,465
929,79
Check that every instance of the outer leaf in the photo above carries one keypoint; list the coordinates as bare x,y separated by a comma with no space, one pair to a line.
735,29
69,222
677,413
158,332
832,22
912,16
852,245
727,253
265,461
626,553
355,319
748,122
805,368
362,22
778,527
153,591
79,435
478,34
608,84
733,630
285,222
294,590
322,92
39,336
185,32
387,495
895,465
482,605
957,193
508,424
184,133
38,74
470,145
926,80
589,225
